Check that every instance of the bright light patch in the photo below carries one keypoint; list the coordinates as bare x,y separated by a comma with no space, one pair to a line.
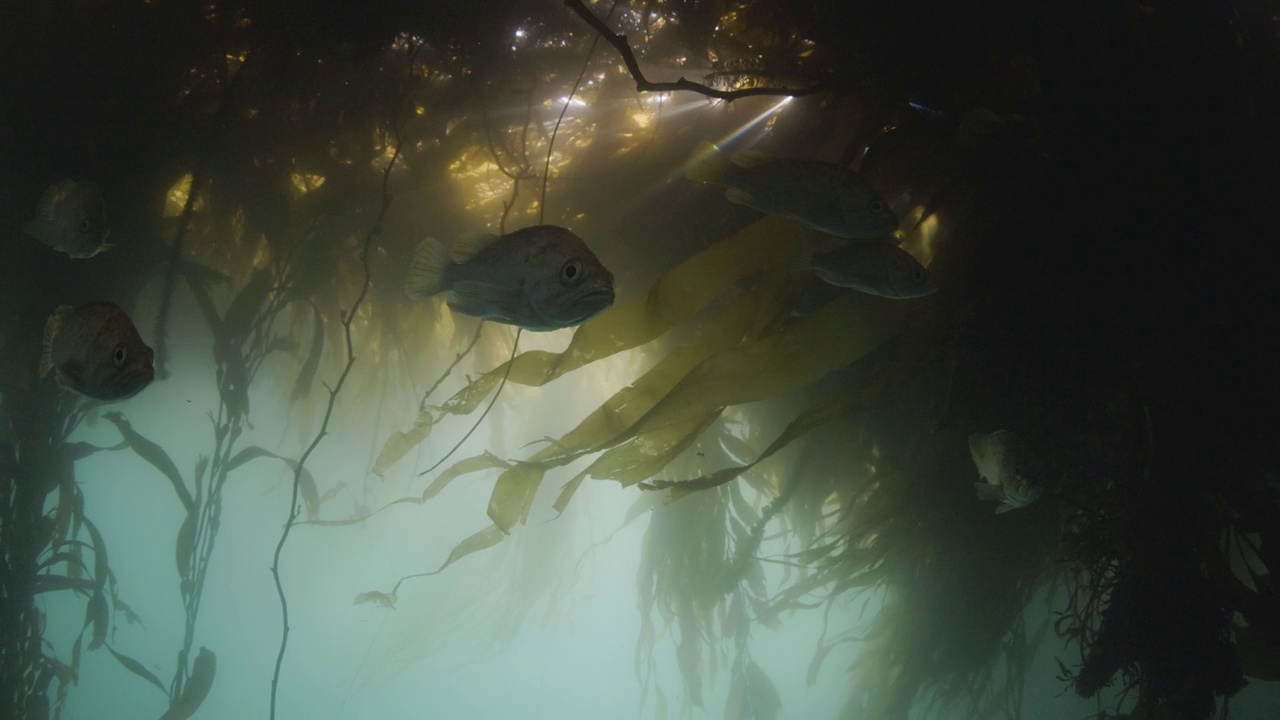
754,121
176,199
303,183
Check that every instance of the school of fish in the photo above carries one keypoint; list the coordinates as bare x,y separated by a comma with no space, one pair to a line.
538,278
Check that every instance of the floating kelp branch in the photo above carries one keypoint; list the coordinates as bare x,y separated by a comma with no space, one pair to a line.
302,387
752,695
155,455
226,106
684,547
306,481
197,689
477,463
481,540
192,550
889,370
688,552
400,443
95,582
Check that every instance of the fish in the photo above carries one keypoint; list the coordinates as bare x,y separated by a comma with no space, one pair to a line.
97,351
1009,470
873,268
542,277
827,197
71,218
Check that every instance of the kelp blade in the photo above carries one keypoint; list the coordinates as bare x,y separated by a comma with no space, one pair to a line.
833,337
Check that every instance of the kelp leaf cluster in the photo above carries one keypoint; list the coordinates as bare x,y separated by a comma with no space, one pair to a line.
745,349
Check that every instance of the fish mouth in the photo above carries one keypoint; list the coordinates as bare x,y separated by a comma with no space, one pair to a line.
605,294
590,304
138,378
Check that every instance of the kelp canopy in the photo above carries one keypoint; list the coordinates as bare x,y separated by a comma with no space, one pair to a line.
1091,185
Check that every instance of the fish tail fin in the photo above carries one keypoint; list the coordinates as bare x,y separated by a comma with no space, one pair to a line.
708,164
52,327
426,269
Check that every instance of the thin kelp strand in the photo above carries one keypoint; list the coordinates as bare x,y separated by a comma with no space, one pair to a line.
198,177
745,554
347,319
515,344
542,210
422,405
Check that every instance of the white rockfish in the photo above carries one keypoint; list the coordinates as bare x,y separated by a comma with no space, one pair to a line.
539,278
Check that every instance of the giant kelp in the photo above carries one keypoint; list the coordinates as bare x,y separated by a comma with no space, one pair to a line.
1038,169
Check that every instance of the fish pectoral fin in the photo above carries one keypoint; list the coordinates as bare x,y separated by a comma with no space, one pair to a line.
52,327
72,369
987,491
475,293
52,197
426,269
469,245
742,197
1005,507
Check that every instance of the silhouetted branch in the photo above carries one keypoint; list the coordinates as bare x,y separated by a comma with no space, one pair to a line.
643,84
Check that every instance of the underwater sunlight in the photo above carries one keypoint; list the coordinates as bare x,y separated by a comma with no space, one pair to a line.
654,359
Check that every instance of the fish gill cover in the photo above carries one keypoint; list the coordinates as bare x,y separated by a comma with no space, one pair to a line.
1088,186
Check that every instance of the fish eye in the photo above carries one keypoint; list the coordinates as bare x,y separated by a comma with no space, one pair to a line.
917,276
85,225
877,206
571,273
119,356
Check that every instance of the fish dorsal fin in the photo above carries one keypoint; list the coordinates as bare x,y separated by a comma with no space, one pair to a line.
50,199
426,269
752,159
52,327
469,245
